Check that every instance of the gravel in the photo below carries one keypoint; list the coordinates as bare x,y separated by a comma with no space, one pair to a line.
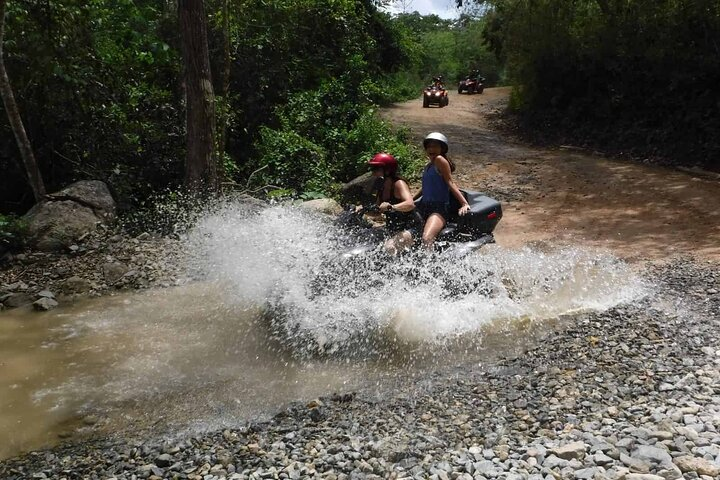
631,393
102,262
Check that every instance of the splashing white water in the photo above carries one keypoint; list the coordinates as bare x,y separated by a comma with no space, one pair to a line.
201,355
289,260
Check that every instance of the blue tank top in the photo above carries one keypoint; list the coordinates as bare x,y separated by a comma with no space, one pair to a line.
434,188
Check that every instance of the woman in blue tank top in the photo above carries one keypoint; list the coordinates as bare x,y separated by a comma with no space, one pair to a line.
437,186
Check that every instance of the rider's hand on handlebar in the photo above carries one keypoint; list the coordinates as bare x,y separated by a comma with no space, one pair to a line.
464,210
385,206
359,208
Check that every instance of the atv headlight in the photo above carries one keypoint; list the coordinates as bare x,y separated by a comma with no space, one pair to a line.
437,94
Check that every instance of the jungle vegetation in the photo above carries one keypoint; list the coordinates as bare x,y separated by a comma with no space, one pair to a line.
104,89
636,76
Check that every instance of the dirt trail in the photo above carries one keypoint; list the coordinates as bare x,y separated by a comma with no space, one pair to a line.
566,196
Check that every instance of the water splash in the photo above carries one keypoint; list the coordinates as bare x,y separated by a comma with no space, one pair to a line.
290,262
276,315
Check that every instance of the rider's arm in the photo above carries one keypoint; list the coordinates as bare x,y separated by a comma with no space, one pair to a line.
402,191
443,167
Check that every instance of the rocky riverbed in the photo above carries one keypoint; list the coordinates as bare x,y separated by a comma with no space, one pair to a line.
101,262
633,393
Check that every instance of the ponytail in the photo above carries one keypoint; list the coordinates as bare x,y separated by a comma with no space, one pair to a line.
452,164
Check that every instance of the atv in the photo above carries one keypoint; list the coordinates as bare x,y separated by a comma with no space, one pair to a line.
435,95
471,85
460,236
360,266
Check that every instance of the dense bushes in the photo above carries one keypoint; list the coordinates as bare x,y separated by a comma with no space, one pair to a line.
326,136
13,231
100,89
639,75
96,83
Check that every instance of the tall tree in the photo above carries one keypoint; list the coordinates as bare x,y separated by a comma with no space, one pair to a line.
404,6
200,161
225,79
13,113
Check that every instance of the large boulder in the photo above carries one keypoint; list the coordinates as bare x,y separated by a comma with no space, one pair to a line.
360,190
323,205
69,214
93,194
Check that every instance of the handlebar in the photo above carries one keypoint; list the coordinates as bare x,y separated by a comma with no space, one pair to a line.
372,208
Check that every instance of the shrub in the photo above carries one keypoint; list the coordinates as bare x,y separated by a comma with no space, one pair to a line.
290,160
13,232
327,136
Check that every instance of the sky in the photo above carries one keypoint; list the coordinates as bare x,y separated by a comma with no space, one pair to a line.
441,8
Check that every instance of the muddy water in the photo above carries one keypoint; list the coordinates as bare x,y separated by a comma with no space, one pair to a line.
266,324
211,354
174,357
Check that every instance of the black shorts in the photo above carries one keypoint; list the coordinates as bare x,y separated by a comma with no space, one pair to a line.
428,208
399,221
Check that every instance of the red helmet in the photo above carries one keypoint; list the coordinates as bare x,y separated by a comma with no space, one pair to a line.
386,161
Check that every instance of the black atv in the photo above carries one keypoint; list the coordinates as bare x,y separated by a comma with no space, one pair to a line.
364,255
460,236
361,266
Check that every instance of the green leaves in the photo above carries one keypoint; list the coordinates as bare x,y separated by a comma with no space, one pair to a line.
13,231
629,71
100,84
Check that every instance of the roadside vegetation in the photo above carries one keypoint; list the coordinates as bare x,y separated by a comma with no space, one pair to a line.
101,91
636,76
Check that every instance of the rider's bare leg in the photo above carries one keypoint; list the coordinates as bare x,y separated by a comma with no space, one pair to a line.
399,242
433,225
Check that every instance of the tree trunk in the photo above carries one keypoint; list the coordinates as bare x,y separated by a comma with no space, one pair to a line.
200,161
225,80
13,113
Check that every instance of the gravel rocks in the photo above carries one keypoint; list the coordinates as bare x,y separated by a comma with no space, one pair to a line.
101,263
632,393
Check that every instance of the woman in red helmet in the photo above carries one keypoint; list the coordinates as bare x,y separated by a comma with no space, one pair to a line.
396,202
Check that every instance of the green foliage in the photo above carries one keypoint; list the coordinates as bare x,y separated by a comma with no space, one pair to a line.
451,48
13,232
292,161
370,135
642,73
99,85
328,135
94,82
282,49
401,86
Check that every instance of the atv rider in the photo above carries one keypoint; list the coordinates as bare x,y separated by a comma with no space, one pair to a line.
437,186
438,82
393,199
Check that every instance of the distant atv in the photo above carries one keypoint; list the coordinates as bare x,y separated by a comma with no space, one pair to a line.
434,95
471,85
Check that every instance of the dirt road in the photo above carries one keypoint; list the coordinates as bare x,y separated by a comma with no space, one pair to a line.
567,196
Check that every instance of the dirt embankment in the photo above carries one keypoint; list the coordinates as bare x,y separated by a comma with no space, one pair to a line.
566,195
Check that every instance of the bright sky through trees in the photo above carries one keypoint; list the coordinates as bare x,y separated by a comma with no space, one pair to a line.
441,8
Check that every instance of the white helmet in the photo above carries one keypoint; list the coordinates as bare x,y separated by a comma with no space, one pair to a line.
439,137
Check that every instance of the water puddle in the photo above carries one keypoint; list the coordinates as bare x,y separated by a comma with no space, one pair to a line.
277,314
